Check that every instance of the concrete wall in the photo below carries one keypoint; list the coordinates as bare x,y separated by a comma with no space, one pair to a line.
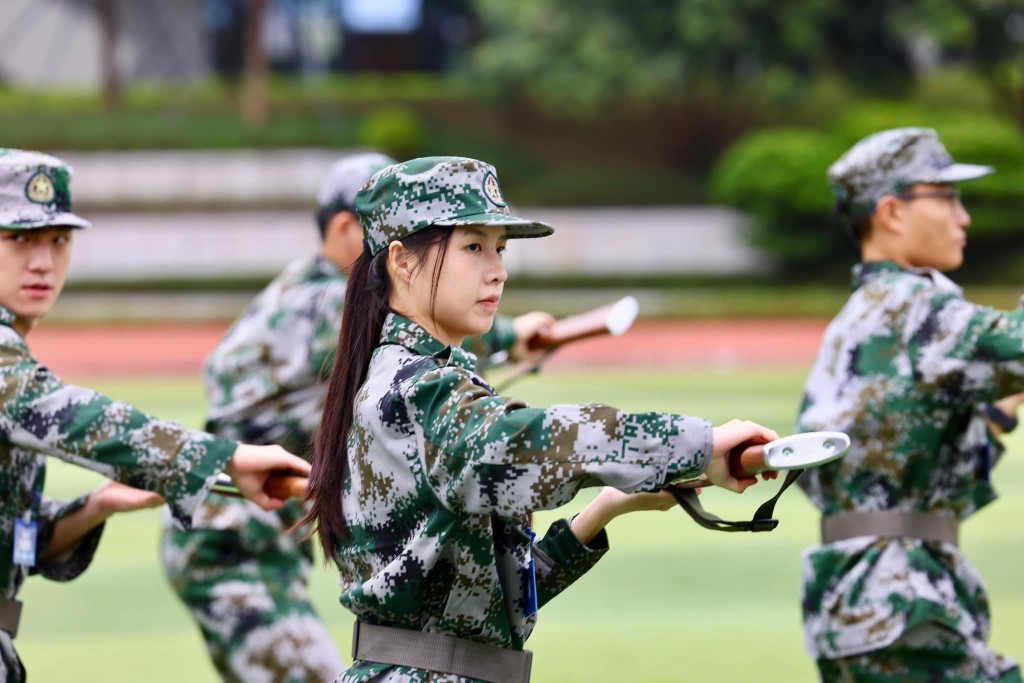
247,213
592,242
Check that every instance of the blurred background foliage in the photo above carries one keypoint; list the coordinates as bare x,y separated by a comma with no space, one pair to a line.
777,176
611,103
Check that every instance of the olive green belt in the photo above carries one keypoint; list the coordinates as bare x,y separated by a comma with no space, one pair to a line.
927,526
441,653
10,615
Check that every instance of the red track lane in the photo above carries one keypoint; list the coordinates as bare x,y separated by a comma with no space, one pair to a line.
180,349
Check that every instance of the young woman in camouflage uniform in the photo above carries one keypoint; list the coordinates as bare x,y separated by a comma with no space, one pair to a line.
41,416
908,369
242,576
424,480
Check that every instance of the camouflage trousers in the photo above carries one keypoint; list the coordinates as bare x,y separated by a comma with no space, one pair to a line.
364,672
926,654
245,581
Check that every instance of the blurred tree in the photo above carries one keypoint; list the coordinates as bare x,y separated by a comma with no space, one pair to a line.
108,57
255,98
578,58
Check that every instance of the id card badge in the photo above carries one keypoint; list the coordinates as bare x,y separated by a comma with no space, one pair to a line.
530,580
25,533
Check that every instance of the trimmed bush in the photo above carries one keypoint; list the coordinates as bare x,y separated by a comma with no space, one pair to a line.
778,177
397,131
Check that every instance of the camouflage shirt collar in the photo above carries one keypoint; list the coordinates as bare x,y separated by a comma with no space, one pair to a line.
864,273
6,317
400,330
325,266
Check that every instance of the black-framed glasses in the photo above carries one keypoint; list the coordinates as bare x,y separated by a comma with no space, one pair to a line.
952,195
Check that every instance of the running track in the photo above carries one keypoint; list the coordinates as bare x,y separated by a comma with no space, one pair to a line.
120,349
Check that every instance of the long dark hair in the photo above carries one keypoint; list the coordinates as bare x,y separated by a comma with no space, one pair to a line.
366,307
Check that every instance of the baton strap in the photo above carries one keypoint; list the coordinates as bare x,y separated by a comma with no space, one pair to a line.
762,521
927,526
441,653
10,615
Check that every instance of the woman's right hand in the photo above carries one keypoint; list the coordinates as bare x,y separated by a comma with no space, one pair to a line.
526,326
726,438
250,466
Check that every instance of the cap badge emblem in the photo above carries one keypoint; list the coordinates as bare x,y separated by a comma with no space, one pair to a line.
39,189
492,190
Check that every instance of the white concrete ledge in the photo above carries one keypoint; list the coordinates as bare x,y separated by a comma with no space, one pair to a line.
587,242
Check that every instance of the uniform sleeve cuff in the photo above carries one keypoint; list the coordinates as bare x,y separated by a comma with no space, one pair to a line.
209,456
562,546
690,448
77,558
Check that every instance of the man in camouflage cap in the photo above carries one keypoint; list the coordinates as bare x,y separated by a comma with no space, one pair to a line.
36,192
41,416
243,577
907,369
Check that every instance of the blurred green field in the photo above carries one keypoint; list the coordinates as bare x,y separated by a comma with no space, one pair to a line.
672,602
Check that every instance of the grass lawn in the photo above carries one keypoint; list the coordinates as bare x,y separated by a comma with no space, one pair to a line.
672,602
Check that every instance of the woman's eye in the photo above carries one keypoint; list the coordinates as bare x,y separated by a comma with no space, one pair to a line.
474,247
501,249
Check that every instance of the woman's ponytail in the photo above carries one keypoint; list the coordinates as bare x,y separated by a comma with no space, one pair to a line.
367,301
366,307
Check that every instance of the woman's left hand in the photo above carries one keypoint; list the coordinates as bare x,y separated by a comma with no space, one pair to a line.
610,503
619,503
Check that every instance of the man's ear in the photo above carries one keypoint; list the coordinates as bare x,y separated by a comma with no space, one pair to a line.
888,215
340,224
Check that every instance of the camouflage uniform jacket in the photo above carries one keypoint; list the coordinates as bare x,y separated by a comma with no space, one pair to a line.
902,370
41,416
263,381
442,475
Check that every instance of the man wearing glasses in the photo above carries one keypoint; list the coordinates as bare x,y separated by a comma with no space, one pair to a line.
924,382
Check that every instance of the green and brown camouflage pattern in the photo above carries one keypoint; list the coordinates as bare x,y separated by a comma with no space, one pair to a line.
890,162
35,192
928,654
442,476
41,416
449,191
266,380
243,578
903,369
65,567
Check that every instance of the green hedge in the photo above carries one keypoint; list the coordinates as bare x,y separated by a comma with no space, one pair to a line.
778,177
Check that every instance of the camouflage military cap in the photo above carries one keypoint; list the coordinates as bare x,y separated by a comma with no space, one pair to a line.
346,177
449,191
35,191
889,162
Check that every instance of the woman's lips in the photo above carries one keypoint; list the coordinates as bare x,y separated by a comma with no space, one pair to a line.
38,291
